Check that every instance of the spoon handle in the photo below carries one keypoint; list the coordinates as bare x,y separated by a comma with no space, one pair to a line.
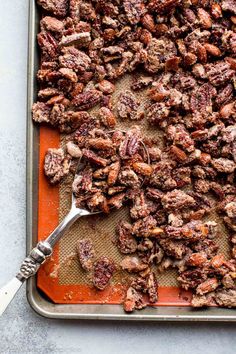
36,258
8,292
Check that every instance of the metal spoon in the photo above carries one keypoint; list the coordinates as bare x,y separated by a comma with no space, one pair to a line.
41,252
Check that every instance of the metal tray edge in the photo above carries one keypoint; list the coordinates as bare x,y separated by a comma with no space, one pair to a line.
102,312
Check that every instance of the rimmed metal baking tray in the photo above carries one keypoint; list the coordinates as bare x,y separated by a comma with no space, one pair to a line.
36,299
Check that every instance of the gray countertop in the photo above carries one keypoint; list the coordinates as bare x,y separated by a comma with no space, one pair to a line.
21,330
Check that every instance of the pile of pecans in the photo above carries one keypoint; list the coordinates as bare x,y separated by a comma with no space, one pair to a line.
182,56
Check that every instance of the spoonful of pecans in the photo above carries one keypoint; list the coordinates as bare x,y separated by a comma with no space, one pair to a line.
109,168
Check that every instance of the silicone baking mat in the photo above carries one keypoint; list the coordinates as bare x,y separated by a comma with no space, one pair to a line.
61,278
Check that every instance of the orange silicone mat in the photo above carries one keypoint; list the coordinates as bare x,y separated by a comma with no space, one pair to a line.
61,278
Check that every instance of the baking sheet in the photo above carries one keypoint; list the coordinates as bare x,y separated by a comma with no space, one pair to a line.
36,213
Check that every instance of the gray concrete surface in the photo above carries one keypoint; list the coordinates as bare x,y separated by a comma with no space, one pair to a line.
21,330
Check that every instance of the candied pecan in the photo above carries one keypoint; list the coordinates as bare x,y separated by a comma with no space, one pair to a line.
87,99
101,173
197,259
157,112
192,231
133,300
178,154
116,189
73,150
223,165
141,83
107,117
48,92
158,93
52,24
190,59
172,64
128,177
212,50
154,194
200,301
227,110
126,242
56,165
148,22
134,9
199,71
201,53
143,227
117,200
83,182
85,253
152,287
208,246
68,74
87,11
202,186
162,177
112,53
140,208
113,173
175,220
97,202
190,279
57,100
56,7
131,144
207,286
162,6
145,245
81,39
225,95
158,51
106,87
217,261
226,297
180,136
133,264
127,106
103,271
201,99
230,209
48,44
204,18
216,10
41,112
145,37
100,143
93,158
70,120
220,73
142,168
154,153
174,249
176,200
75,59
229,5
229,281
74,9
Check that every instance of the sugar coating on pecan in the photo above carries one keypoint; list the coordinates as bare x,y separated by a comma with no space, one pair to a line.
103,271
56,165
85,253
